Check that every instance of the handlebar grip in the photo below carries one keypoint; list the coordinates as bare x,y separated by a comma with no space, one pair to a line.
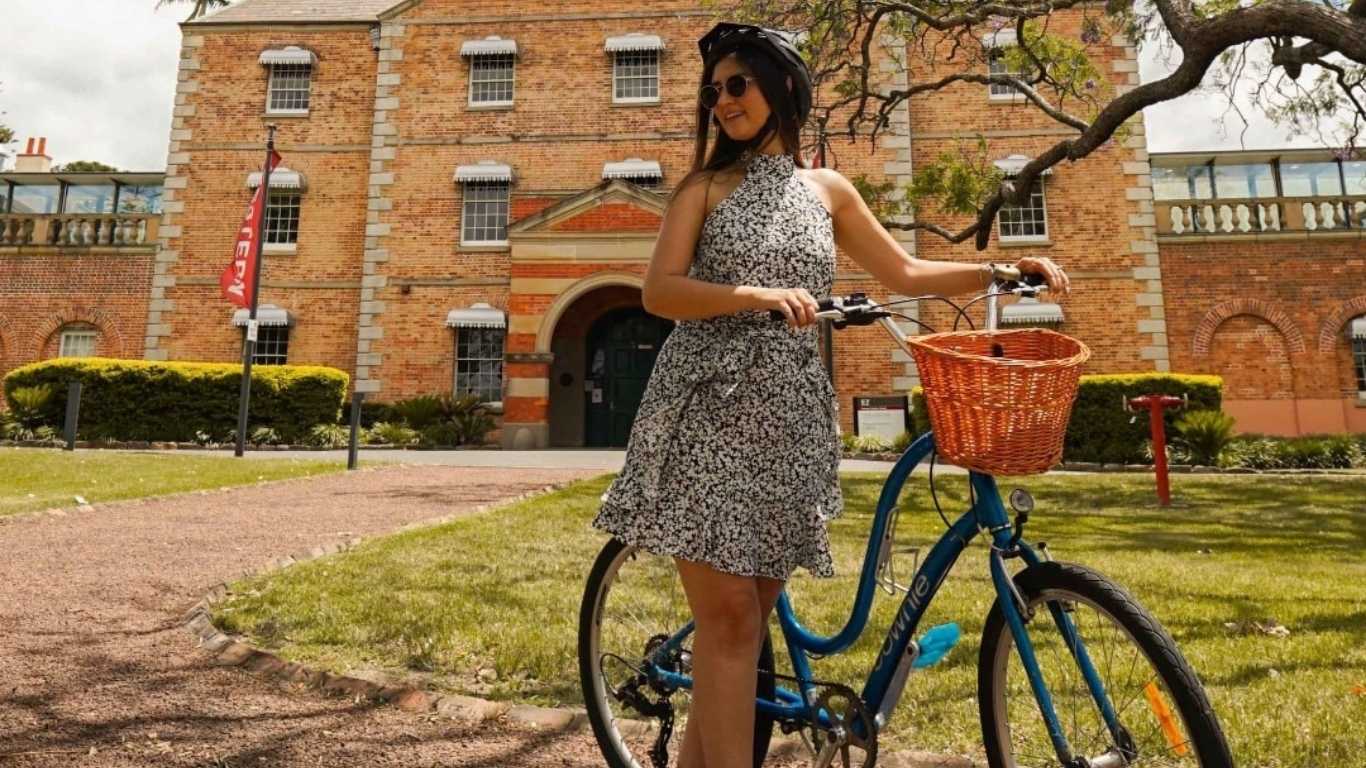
822,305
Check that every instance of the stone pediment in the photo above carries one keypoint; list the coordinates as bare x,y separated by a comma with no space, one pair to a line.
612,207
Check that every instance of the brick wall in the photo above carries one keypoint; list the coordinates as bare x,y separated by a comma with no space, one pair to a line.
1270,316
46,290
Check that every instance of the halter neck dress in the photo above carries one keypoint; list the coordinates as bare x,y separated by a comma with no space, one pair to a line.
734,454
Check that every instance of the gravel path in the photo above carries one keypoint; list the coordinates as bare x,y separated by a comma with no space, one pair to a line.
95,669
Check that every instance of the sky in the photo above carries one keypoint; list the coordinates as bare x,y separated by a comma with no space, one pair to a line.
97,78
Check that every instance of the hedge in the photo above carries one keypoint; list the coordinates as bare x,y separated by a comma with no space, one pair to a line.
1100,430
141,400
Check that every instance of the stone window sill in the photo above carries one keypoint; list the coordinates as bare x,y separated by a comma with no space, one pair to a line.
280,249
1025,242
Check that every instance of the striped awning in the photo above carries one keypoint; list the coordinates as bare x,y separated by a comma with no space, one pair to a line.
486,170
266,314
280,178
1030,310
489,46
1001,38
1011,166
1357,328
632,168
289,55
635,41
479,315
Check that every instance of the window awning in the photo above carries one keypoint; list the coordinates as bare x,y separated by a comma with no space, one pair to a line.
1357,328
289,55
280,178
635,41
1011,166
486,170
1030,310
489,46
266,314
632,168
480,315
1001,38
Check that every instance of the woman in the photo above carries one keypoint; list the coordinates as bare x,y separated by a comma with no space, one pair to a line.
732,463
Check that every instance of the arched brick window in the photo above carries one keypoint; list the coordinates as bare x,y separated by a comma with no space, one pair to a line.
1356,339
78,340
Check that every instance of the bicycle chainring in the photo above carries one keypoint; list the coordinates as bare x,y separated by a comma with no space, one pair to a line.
851,740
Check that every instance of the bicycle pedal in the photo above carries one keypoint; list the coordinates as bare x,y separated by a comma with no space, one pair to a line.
936,644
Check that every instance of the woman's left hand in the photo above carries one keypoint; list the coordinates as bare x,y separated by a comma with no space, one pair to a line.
1058,282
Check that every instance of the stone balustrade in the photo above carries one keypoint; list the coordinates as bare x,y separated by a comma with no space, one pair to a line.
1261,216
78,230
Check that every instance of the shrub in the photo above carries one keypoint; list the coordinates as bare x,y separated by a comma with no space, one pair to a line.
30,404
421,412
441,435
1204,435
902,442
328,436
1100,430
390,433
264,436
1307,452
142,400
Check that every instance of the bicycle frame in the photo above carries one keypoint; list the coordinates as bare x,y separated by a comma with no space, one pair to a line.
987,515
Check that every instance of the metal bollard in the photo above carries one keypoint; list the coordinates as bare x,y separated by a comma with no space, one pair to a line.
73,411
351,457
1155,404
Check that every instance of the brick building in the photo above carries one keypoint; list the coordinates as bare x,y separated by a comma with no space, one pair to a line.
473,190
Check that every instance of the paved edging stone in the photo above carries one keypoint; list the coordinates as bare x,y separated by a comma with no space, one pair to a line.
230,651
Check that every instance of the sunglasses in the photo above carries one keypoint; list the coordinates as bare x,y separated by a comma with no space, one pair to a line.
735,85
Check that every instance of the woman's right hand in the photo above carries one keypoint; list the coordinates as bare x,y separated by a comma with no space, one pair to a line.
795,304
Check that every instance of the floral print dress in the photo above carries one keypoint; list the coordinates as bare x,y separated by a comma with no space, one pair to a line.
734,454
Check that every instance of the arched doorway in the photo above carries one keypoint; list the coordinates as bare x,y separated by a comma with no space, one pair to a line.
621,349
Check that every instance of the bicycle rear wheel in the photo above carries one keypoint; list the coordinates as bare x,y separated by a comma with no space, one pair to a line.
632,601
1164,714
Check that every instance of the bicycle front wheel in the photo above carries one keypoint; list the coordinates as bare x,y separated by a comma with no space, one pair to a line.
634,600
1163,716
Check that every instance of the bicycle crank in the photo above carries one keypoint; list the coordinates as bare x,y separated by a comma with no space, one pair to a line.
851,728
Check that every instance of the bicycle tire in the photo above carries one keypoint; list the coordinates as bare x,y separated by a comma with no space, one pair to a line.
610,737
1075,587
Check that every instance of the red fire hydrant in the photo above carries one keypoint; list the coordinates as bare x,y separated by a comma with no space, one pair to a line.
1155,404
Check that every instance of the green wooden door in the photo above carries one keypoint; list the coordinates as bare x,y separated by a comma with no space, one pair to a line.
622,347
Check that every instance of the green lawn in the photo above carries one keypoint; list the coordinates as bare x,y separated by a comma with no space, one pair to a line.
502,589
33,479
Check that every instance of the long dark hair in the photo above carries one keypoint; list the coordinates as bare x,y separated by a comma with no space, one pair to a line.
772,81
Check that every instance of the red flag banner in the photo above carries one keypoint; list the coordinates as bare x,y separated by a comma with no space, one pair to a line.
236,280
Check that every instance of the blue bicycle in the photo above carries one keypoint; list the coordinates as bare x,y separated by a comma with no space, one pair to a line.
1072,671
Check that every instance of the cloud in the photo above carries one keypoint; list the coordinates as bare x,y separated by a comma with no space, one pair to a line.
96,77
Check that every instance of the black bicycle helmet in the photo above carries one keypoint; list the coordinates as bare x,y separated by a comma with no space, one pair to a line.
727,36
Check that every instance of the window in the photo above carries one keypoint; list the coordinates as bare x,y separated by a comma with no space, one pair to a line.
78,342
1183,182
1027,222
1357,336
1249,180
997,64
139,198
37,199
289,88
282,218
1310,179
272,344
89,198
479,363
491,78
484,216
1354,172
635,76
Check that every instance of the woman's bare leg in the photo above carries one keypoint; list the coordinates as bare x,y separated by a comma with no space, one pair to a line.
726,644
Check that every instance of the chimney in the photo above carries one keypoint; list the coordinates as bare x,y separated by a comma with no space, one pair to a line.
31,161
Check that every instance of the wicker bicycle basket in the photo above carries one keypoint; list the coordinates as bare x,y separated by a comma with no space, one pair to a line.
999,400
